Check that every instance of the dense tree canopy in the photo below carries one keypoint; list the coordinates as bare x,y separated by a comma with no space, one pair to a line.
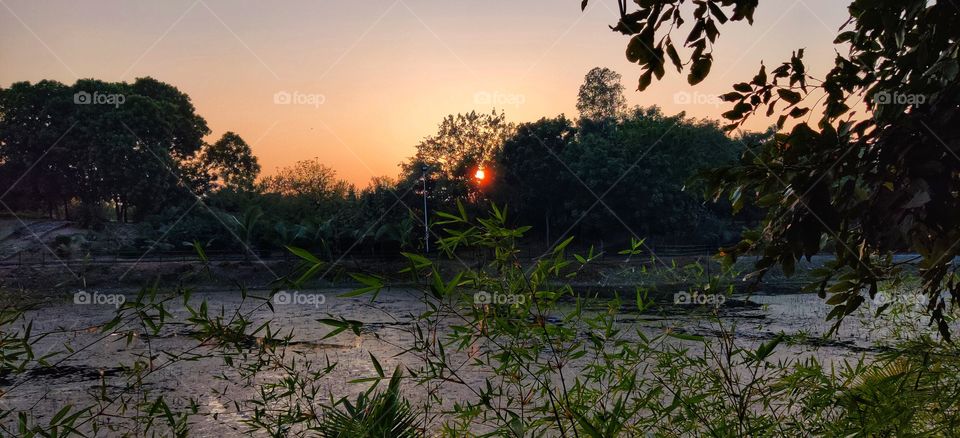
96,142
632,180
531,162
230,163
463,143
865,184
307,178
139,149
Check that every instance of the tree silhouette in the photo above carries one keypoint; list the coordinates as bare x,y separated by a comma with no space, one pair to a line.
462,143
867,185
230,163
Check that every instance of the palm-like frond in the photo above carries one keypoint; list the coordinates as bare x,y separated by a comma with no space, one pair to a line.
384,415
875,376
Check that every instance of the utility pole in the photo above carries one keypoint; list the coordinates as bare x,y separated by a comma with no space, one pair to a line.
426,226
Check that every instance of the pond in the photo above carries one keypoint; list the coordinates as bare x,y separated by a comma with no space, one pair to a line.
89,360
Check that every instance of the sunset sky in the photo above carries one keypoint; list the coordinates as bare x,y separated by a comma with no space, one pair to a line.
369,79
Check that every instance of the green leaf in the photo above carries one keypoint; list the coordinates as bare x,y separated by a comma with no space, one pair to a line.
799,112
365,380
837,299
200,252
674,56
645,80
844,37
452,218
717,13
560,247
341,325
767,348
590,429
376,365
790,96
699,70
304,254
60,414
417,260
369,282
639,50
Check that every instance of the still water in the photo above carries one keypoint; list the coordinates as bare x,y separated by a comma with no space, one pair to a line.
87,362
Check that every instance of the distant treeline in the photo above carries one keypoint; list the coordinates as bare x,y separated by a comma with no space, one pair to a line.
98,152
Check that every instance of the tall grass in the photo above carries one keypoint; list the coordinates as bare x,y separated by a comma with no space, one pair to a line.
502,348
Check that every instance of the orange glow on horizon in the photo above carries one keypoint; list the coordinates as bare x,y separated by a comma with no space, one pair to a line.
308,79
